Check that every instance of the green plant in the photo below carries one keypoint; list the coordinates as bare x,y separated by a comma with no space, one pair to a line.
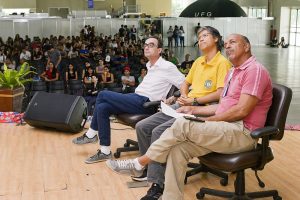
11,78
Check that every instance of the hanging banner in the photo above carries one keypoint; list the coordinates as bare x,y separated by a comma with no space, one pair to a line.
90,3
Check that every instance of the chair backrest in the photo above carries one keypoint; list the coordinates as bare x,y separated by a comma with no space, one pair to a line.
172,90
38,86
277,114
75,84
56,85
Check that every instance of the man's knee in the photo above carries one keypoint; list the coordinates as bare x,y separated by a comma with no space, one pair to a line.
156,133
141,127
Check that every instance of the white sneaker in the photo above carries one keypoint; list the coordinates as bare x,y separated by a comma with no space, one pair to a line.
124,167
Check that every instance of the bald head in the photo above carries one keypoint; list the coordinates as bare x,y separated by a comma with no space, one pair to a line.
238,49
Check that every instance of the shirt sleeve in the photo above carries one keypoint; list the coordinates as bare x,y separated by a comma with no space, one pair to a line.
254,82
175,77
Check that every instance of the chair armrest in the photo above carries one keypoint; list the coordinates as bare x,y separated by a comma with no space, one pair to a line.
151,104
177,93
265,131
265,134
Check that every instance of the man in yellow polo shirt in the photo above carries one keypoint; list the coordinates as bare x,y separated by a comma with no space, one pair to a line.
206,81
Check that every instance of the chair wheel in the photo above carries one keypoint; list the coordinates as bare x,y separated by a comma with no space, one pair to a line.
224,181
200,195
261,184
277,198
117,155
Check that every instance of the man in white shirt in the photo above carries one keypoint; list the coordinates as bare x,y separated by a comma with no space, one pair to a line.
25,54
161,76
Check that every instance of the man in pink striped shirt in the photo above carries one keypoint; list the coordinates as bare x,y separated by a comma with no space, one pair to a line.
243,107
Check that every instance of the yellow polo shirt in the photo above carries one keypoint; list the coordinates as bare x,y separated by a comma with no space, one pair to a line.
206,78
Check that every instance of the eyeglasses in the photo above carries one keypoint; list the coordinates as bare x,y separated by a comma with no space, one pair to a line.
150,45
203,36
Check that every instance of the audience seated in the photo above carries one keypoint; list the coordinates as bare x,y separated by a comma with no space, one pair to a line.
107,77
51,73
71,73
143,73
128,82
100,68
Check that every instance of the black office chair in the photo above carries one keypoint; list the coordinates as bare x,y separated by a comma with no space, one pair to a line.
75,87
37,86
255,159
132,119
57,87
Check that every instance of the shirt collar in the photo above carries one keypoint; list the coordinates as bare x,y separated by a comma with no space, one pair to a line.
213,61
157,63
247,63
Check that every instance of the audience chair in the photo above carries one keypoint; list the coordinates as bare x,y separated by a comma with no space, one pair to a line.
132,119
255,159
75,87
57,87
37,86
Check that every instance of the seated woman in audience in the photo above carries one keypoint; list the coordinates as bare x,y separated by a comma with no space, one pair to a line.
143,73
107,77
51,73
128,81
100,68
85,69
88,76
71,73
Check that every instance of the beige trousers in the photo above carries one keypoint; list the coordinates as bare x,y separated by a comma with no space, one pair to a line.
186,139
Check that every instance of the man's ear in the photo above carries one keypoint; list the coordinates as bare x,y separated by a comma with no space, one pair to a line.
247,47
160,51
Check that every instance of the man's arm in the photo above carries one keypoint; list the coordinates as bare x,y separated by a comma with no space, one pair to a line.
199,110
59,60
237,112
212,97
184,89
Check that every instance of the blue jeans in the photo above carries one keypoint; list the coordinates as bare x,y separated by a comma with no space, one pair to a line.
110,103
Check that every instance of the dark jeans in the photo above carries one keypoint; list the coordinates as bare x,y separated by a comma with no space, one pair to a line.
110,103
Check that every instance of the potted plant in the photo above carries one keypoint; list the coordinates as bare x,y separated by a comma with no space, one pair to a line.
12,87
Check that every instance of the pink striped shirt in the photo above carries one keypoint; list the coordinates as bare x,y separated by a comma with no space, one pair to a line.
250,78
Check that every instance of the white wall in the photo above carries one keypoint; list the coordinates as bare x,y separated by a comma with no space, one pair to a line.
256,29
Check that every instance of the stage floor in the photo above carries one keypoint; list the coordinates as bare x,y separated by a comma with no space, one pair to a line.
39,164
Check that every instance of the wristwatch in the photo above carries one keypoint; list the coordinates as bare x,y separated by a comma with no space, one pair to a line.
195,102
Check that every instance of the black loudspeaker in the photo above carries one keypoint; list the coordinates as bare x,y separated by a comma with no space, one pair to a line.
59,111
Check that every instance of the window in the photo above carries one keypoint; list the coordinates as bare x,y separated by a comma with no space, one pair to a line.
295,27
257,12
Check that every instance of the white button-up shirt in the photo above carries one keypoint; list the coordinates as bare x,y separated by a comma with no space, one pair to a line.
159,80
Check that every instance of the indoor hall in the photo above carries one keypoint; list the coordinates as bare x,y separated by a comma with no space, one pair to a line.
44,164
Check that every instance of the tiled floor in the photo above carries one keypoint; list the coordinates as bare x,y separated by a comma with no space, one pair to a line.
283,65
